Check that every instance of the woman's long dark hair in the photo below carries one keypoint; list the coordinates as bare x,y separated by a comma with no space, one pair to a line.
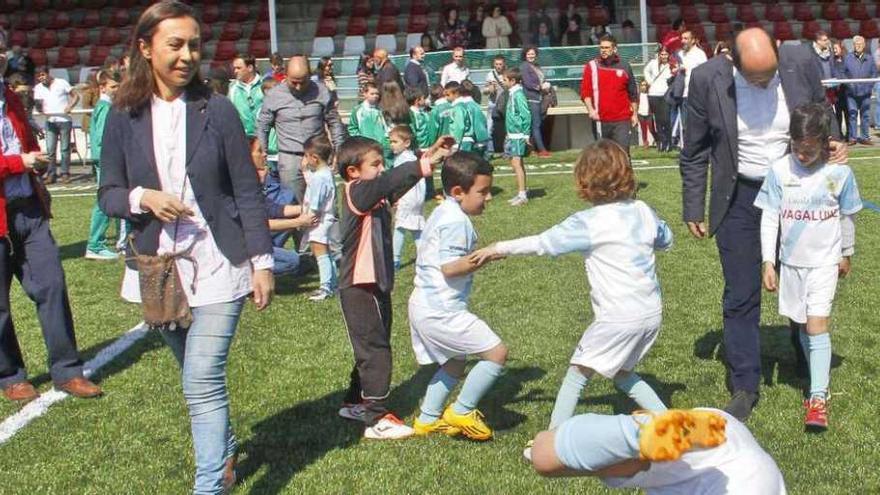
393,104
139,85
322,65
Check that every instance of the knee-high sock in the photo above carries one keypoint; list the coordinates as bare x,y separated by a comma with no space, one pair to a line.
397,241
438,390
567,397
639,391
820,363
327,272
478,382
805,343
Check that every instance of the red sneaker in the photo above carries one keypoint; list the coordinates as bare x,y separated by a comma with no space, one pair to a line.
544,154
817,414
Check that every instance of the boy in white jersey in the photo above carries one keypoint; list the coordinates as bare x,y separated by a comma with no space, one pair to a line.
694,452
815,202
617,236
443,330
408,216
320,201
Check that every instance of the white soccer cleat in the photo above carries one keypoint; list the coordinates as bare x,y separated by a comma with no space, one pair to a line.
390,427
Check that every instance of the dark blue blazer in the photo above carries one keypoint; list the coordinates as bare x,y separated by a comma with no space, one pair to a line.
219,167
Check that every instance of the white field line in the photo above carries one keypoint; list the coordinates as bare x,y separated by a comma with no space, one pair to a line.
33,410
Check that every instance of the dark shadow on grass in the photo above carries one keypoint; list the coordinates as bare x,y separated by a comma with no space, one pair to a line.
622,404
496,191
73,251
509,390
779,356
537,193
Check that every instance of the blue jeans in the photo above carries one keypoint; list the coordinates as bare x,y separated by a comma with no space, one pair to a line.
537,125
56,131
877,105
201,351
858,106
286,261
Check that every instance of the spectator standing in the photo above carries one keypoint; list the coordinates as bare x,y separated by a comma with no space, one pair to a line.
455,71
497,30
672,39
414,74
544,35
366,71
107,83
824,56
610,93
297,110
657,74
535,20
838,56
476,38
452,31
859,65
596,34
497,93
629,33
534,85
427,43
246,92
55,96
385,70
691,56
324,75
570,22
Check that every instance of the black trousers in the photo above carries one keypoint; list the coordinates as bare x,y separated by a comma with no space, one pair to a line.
30,253
660,110
367,314
619,132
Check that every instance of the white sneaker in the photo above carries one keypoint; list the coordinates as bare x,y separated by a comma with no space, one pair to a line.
518,200
390,427
104,254
354,412
527,452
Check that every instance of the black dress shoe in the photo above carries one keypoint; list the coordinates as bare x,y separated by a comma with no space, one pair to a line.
741,404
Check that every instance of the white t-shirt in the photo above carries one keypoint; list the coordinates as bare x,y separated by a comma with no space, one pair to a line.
449,235
809,203
452,72
55,98
690,60
657,76
762,121
618,242
320,197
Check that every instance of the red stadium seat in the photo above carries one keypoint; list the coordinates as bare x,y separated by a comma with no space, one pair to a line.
38,5
723,32
698,31
445,4
225,51
263,16
9,6
210,14
858,11
326,27
803,12
119,18
64,5
18,38
809,30
94,4
360,8
774,13
783,31
77,38
689,14
90,19
39,57
240,12
331,9
390,8
417,24
868,29
230,32
840,30
205,32
598,16
59,20
831,12
419,7
718,14
68,56
387,25
742,2
507,5
126,4
109,37
5,22
745,13
259,48
261,31
659,16
28,21
97,55
46,39
357,26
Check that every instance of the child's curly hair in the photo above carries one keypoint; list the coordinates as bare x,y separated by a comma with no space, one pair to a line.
603,174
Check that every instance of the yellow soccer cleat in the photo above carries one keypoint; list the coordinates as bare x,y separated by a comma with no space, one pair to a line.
667,435
470,424
439,426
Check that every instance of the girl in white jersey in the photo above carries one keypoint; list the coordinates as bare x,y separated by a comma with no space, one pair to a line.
617,237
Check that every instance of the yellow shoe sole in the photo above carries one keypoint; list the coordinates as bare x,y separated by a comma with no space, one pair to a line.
670,434
473,428
439,426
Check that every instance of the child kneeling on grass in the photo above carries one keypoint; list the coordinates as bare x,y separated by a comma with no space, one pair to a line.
367,274
443,330
695,451
617,236
815,202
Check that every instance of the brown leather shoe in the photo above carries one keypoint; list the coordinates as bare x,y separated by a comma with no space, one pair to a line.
229,476
21,392
80,387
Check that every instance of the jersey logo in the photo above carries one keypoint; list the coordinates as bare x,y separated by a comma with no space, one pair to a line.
619,73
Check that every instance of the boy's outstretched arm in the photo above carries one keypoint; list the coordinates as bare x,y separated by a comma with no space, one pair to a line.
572,235
468,264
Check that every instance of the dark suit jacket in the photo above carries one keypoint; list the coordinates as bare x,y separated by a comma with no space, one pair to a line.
414,76
711,132
388,73
219,167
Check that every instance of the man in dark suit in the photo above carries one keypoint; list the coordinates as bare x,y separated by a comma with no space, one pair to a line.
739,117
414,75
385,70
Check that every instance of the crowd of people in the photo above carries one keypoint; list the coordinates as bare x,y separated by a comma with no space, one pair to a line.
211,181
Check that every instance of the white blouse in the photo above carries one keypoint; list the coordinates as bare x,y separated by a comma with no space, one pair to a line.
211,278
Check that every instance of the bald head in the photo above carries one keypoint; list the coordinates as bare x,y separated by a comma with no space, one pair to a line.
756,56
298,72
380,54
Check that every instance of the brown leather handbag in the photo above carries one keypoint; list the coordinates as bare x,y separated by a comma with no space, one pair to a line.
163,299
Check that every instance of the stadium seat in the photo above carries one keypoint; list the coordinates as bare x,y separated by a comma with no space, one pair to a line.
868,29
357,26
507,5
387,25
205,32
97,55
323,46
840,29
259,48
745,13
231,32
390,7
5,21
809,30
326,27
858,11
119,18
742,2
28,21
224,51
661,30
774,13
9,6
659,16
388,42
689,14
445,4
90,19
419,7
261,31
126,4
597,16
360,8
803,12
831,12
38,5
354,45
67,57
240,12
210,14
58,20
39,57
417,24
46,39
331,9
64,5
723,31
782,31
77,38
18,38
413,40
109,37
718,14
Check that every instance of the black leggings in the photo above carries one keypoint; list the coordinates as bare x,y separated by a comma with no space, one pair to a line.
660,110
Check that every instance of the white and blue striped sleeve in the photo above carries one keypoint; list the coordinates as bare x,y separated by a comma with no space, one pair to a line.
770,196
571,235
663,237
850,201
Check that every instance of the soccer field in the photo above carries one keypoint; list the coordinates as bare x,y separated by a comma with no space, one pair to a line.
289,367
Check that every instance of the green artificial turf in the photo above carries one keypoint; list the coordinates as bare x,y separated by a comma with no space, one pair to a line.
289,367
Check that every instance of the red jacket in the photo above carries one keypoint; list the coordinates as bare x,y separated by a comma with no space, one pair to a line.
13,164
612,89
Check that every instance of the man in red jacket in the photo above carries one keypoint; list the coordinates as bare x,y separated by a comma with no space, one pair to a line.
610,93
28,251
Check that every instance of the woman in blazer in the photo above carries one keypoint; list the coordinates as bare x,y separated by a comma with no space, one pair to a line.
176,164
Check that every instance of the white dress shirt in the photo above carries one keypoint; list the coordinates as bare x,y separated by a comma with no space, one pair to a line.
762,119
452,72
212,278
690,60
